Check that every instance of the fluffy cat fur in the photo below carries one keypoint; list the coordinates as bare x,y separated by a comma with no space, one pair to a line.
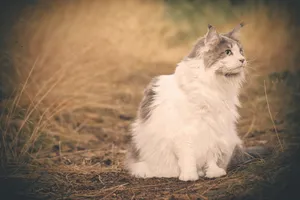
186,123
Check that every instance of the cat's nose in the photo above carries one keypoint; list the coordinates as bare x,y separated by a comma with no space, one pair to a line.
242,60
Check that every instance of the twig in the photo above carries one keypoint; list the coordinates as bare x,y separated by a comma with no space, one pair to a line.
250,128
59,148
99,178
208,189
133,197
188,196
116,188
149,186
78,152
269,110
203,197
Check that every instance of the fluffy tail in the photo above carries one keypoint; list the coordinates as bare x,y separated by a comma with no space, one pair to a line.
242,156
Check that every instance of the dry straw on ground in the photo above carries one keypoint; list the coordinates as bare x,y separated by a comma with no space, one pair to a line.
81,65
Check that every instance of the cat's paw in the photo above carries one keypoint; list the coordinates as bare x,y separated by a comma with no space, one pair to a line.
201,173
215,172
140,170
189,176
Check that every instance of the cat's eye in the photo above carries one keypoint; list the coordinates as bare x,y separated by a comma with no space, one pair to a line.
228,52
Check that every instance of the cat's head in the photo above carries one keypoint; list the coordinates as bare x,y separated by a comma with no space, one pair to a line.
221,53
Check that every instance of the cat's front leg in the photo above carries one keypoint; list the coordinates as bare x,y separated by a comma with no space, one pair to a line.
187,166
212,169
187,162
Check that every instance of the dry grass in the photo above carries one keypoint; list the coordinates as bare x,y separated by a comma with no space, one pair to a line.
78,71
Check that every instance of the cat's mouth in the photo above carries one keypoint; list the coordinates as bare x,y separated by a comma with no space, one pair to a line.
231,74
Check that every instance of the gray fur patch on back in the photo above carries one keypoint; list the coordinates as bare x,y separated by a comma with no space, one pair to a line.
144,113
146,108
214,53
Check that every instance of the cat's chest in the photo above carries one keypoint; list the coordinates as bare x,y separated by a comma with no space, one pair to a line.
220,115
220,107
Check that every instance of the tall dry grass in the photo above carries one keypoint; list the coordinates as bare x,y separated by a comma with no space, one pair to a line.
74,60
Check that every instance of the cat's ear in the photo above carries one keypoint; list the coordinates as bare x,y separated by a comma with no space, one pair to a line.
235,33
212,36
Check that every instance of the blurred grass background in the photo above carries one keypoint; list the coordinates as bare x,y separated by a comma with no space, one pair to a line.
73,71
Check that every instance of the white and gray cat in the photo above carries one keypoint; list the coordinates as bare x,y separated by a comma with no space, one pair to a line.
186,123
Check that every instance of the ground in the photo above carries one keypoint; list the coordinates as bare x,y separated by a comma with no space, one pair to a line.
94,169
74,74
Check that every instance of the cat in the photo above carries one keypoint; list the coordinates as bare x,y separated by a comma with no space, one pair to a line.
186,121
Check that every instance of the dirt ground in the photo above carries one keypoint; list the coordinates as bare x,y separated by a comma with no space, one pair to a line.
94,170
73,76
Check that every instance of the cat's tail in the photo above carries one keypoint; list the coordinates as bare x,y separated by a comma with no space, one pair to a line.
242,156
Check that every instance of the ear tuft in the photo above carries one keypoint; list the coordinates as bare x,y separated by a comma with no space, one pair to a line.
212,37
235,33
